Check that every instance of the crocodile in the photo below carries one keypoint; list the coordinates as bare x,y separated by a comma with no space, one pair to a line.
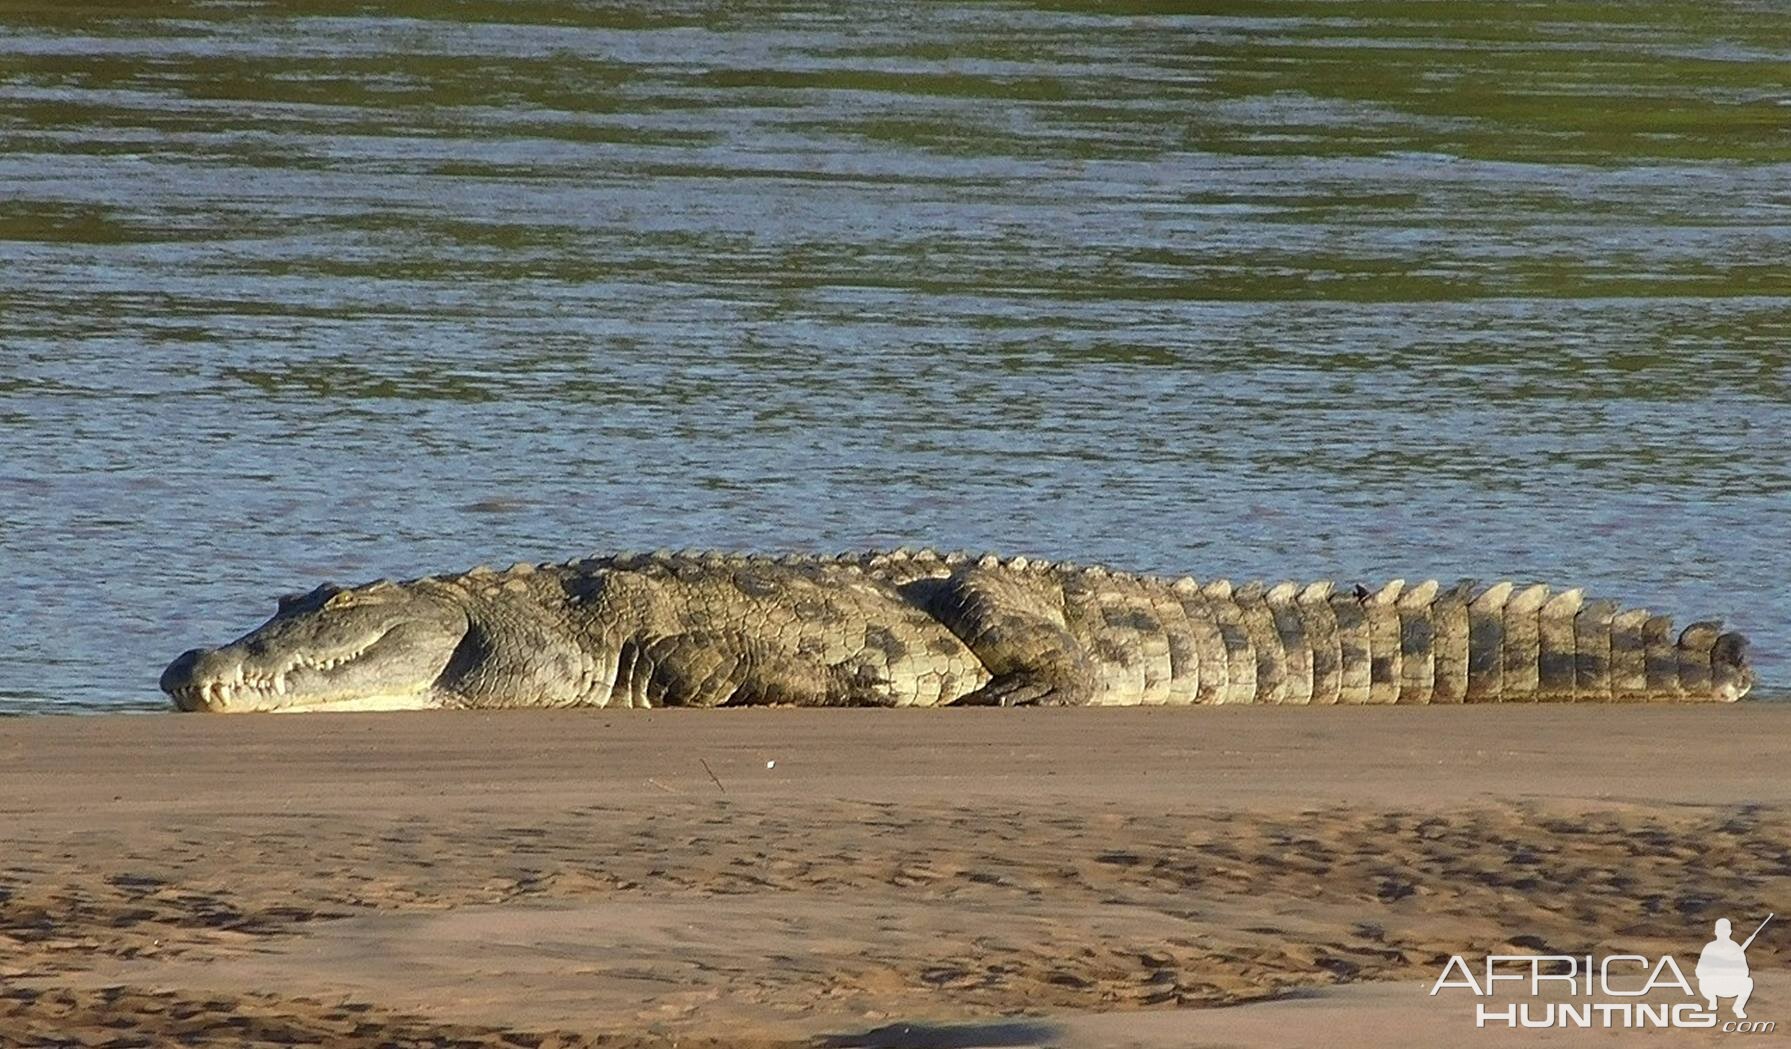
905,628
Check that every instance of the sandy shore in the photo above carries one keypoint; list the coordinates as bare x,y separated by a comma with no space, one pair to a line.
1244,876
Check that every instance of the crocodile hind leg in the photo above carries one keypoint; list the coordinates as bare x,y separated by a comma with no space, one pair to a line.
1019,635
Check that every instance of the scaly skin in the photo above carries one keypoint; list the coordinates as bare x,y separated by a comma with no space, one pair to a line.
905,629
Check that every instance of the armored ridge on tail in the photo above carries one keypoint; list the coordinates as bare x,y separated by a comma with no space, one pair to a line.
908,628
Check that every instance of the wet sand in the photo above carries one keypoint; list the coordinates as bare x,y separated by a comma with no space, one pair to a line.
1243,876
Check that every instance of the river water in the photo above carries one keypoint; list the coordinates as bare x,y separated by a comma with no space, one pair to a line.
294,291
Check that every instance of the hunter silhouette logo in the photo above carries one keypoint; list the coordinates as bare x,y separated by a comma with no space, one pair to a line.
1722,968
1615,991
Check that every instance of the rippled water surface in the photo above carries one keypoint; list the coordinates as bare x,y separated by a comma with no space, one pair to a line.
328,290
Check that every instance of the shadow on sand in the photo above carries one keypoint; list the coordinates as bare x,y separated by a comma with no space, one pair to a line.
987,1035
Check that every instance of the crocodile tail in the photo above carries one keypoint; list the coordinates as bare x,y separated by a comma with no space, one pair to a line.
1528,645
1713,663
1730,675
1323,645
1465,644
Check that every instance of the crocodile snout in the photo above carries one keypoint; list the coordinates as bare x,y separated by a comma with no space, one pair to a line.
179,682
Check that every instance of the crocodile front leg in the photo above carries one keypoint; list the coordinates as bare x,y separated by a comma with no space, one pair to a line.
712,669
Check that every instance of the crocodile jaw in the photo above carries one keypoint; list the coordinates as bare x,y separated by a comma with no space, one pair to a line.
381,651
234,679
220,681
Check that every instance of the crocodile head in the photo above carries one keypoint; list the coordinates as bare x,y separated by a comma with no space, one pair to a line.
378,647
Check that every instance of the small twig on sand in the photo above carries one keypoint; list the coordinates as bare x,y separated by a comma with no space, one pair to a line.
713,776
661,786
